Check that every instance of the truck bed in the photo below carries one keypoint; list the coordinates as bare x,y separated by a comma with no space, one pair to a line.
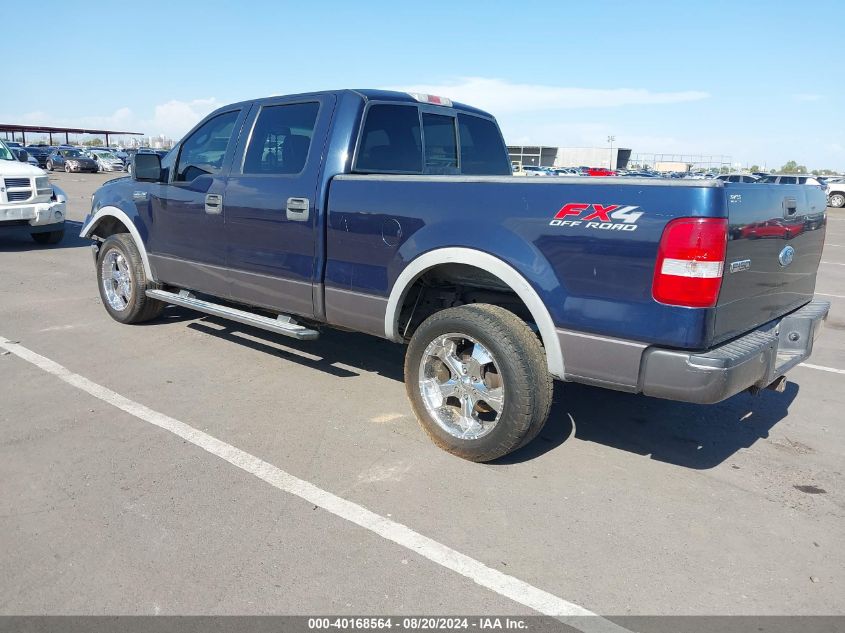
593,279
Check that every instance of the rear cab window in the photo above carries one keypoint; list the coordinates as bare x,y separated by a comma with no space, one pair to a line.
409,139
391,140
281,139
441,143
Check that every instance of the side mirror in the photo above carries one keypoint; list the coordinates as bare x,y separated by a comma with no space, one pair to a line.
147,167
22,157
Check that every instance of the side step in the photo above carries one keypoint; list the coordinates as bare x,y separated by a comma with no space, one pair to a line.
282,325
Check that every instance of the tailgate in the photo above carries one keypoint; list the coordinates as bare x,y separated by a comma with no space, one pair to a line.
775,243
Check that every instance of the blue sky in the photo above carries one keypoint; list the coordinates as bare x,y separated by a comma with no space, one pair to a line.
763,82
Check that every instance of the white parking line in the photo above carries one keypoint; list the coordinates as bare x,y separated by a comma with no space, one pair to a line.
833,263
827,294
833,370
836,245
502,584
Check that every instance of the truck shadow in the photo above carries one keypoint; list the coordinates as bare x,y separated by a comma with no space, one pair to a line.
21,241
341,354
689,435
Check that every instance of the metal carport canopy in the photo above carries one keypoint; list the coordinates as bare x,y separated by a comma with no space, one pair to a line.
23,129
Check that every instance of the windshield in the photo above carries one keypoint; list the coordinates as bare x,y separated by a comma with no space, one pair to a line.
106,155
5,153
71,153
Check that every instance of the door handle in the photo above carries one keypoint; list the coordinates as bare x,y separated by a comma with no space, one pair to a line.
213,204
297,209
790,206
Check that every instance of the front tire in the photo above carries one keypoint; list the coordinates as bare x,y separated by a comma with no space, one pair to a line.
49,165
123,283
50,237
836,200
67,168
477,380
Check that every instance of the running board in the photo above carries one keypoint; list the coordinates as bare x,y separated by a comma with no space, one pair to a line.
282,325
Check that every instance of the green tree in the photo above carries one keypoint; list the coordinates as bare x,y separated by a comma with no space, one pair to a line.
94,142
792,167
755,168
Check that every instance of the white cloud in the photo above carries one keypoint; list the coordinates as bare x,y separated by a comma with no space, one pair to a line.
499,96
173,118
804,97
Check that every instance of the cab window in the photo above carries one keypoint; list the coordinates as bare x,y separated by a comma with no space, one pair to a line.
203,151
441,145
281,139
482,148
391,140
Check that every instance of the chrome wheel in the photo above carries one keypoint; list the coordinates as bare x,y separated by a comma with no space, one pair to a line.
837,200
116,280
461,386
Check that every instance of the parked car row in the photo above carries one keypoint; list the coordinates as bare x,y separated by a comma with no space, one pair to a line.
74,159
533,170
833,186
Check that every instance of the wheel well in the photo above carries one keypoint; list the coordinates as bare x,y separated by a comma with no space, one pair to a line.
108,226
449,285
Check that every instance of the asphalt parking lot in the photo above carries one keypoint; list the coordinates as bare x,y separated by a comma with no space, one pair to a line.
624,505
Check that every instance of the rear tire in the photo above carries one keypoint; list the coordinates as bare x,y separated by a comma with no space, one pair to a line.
477,380
49,165
836,200
123,283
50,237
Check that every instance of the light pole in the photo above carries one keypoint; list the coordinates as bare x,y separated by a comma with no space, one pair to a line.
610,140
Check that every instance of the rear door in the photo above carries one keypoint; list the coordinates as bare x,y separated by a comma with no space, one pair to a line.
271,219
774,247
187,239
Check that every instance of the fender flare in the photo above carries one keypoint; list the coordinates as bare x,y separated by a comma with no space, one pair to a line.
479,259
115,212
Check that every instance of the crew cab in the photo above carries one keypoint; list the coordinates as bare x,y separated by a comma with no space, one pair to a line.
397,215
29,203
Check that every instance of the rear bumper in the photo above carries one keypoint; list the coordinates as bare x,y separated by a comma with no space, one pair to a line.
753,360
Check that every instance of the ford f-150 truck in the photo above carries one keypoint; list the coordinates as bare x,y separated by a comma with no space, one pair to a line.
29,204
397,215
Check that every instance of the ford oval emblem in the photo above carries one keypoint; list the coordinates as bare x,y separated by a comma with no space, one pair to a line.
786,256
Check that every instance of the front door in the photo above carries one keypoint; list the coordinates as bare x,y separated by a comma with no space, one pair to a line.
271,194
187,237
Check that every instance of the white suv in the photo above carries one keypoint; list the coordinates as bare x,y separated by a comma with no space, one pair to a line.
792,179
28,202
836,193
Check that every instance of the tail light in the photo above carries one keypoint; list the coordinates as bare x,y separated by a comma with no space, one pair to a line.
690,262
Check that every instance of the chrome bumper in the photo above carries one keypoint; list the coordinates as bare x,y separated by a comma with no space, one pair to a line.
36,213
756,359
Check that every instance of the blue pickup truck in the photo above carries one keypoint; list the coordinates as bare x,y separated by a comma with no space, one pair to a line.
397,215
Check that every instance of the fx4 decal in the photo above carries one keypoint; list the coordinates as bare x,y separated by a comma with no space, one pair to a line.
603,217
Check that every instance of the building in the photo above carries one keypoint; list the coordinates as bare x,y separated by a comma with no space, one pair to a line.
533,155
681,162
544,156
